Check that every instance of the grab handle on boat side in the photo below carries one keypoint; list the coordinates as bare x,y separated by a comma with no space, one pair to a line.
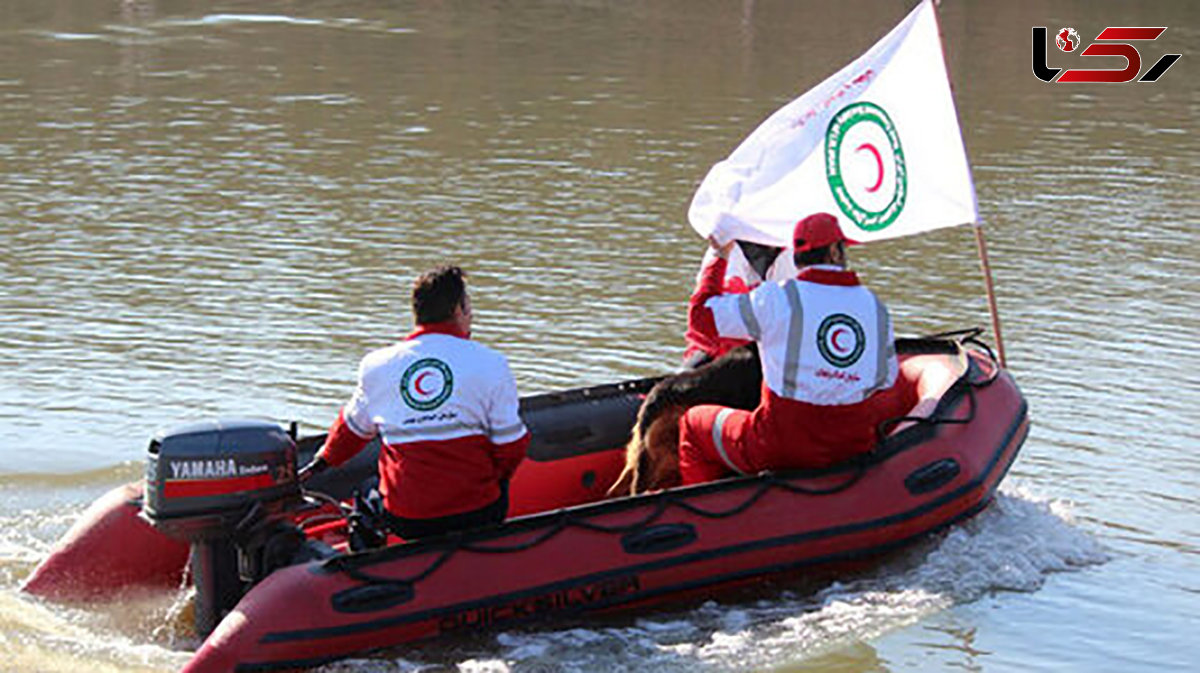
933,476
658,539
372,597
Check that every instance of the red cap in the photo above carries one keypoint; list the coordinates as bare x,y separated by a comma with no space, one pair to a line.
816,231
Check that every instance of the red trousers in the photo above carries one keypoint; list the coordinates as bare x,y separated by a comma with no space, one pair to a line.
710,451
716,441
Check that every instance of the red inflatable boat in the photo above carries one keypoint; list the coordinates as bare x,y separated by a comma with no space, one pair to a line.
279,589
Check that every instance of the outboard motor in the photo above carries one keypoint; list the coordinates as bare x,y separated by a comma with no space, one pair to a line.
227,487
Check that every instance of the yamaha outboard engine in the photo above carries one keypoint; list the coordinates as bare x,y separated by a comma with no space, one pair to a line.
227,487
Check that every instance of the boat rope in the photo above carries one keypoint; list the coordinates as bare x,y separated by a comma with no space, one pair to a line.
967,382
768,481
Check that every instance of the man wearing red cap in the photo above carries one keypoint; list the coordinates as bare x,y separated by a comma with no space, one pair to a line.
828,360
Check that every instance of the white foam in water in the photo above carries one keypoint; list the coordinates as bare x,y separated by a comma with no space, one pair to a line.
53,637
45,636
1013,545
28,535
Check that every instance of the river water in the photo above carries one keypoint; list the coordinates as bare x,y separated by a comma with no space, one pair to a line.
214,209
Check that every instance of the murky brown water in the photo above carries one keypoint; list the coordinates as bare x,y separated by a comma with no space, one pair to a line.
214,209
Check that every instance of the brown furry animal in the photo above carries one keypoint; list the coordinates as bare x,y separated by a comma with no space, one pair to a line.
652,455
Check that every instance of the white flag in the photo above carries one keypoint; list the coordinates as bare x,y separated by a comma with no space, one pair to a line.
877,145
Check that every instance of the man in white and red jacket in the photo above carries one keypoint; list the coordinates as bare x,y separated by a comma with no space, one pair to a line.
446,409
828,360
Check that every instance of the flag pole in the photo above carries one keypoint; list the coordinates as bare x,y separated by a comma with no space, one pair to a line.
980,241
981,245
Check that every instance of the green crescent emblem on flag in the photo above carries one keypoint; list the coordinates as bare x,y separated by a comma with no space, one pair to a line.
864,164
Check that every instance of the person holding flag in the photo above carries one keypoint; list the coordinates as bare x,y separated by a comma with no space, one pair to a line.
748,265
875,151
828,358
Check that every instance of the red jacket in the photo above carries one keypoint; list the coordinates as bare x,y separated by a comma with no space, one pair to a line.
701,335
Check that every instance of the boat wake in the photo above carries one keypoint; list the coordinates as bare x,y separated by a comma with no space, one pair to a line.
1013,545
124,636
